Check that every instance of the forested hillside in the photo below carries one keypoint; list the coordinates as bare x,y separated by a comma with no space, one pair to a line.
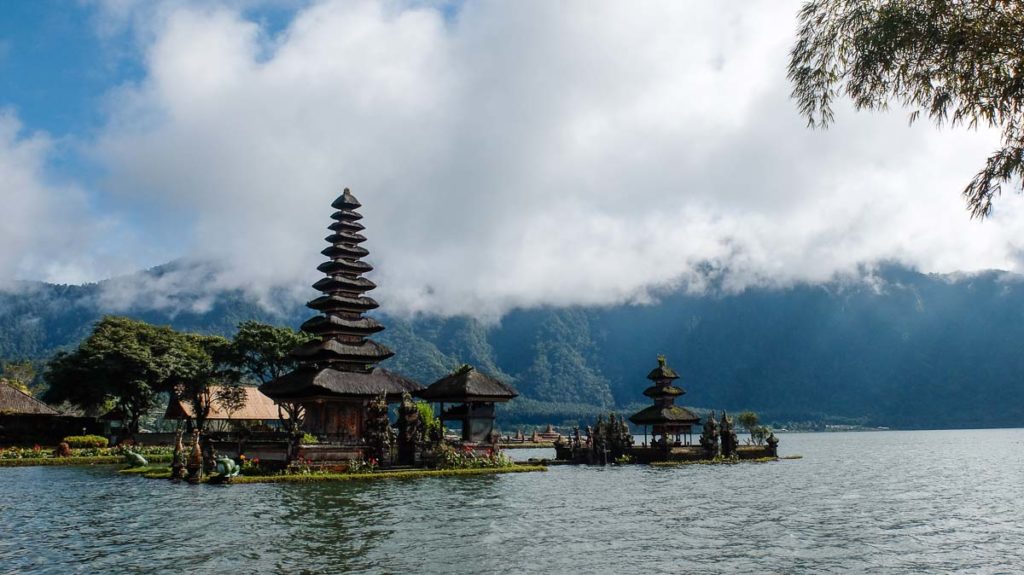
910,350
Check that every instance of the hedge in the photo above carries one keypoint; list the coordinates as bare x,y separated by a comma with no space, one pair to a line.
86,441
89,460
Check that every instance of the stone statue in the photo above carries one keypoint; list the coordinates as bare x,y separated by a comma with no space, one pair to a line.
378,430
728,436
625,433
178,459
619,439
773,445
600,445
134,459
410,428
227,467
194,465
709,437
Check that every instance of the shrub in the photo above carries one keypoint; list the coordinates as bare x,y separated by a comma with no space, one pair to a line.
86,441
465,457
309,439
362,466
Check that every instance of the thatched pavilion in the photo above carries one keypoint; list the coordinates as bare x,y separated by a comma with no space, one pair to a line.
474,395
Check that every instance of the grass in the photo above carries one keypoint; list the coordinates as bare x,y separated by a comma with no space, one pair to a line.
149,472
717,461
87,460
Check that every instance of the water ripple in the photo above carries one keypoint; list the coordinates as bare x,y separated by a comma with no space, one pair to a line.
895,502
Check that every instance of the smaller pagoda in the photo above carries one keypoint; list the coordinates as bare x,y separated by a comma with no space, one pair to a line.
474,395
670,424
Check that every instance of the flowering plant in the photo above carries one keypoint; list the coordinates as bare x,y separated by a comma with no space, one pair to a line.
467,457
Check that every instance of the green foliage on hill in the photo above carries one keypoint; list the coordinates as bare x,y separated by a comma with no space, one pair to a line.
909,350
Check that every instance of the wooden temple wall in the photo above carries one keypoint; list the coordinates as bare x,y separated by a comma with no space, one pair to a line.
336,421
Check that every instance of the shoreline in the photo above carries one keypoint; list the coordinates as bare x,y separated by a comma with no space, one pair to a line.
165,473
73,461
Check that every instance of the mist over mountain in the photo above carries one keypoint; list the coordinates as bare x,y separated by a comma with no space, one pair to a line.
902,350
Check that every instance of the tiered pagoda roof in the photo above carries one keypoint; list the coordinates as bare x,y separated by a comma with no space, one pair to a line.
343,360
664,393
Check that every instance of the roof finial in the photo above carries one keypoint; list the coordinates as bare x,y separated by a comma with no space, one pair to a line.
661,359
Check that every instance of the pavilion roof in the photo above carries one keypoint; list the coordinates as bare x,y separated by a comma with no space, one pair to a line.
660,415
257,407
468,385
16,402
663,391
312,382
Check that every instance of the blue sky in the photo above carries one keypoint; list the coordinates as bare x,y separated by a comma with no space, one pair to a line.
60,59
507,154
55,70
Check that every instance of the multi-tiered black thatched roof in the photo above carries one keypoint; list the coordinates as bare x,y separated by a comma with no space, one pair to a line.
664,411
343,361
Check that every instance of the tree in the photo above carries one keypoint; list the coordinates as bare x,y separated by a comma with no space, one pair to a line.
262,351
231,398
751,422
204,374
958,62
20,375
123,361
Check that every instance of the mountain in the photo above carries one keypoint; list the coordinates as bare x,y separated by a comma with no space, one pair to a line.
905,350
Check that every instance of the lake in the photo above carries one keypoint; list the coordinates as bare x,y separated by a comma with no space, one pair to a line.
880,502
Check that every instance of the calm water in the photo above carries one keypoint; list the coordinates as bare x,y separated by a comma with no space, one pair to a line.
888,502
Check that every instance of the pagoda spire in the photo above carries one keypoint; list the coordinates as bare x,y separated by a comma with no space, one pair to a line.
669,421
343,330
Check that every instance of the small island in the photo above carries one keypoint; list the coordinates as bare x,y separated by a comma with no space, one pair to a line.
670,436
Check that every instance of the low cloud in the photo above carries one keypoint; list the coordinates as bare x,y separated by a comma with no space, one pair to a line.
523,154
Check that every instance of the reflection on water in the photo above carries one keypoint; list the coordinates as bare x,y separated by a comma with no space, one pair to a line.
892,502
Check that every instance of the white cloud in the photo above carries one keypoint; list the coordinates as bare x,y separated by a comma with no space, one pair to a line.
529,153
47,227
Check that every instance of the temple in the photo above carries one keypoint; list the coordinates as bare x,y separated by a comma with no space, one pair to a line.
338,375
670,424
671,429
474,394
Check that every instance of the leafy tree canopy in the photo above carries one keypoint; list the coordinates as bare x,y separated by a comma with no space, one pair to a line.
20,375
959,62
205,373
262,350
124,360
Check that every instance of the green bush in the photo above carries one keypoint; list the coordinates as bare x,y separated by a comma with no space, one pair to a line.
465,457
309,439
86,441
